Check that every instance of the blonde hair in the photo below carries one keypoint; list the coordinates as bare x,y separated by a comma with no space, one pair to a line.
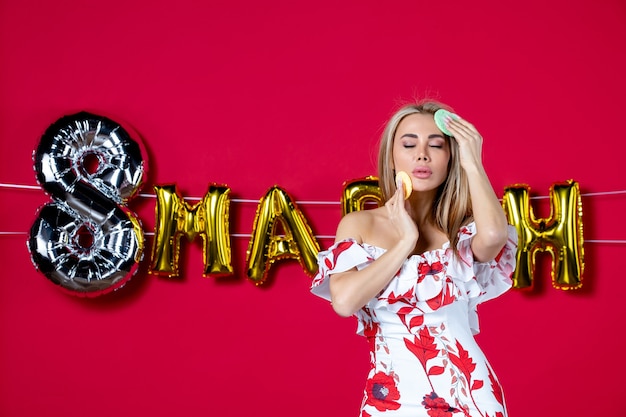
452,207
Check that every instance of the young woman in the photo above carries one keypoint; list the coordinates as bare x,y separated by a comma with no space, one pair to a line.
413,271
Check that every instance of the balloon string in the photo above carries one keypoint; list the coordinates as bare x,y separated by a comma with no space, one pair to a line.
310,202
237,235
600,193
26,187
247,200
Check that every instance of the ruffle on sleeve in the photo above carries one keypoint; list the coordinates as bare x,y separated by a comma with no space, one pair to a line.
342,256
490,279
437,278
423,285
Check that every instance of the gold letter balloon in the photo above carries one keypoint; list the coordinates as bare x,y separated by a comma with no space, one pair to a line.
267,247
358,192
175,219
561,234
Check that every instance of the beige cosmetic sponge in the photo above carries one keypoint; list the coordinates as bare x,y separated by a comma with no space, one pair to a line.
407,184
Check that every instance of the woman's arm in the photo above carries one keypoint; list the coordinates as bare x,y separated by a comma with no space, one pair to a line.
491,222
351,290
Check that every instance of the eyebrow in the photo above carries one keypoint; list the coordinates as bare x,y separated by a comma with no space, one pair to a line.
414,136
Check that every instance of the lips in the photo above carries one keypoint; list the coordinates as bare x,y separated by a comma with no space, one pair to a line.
422,172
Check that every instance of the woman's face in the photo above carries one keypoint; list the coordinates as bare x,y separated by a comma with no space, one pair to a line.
422,151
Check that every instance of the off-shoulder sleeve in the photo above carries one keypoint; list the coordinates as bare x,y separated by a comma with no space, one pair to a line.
493,278
342,256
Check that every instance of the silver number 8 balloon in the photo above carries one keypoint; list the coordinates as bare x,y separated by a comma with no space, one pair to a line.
87,241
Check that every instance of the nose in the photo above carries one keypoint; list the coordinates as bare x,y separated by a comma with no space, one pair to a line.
420,151
421,155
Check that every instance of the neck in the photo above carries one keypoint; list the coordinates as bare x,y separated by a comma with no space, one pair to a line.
421,207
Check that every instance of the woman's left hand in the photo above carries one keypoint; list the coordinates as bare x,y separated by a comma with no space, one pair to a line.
491,222
469,140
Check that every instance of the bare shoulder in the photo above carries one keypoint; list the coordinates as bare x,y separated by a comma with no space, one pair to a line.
360,225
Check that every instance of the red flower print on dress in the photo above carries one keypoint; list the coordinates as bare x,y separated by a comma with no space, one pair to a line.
463,362
423,346
416,317
496,388
437,406
424,268
405,298
444,298
341,247
382,392
370,330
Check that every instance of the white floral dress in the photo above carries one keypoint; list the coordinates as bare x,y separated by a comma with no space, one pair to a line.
420,328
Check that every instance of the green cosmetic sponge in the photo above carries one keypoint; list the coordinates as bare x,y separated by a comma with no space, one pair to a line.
440,120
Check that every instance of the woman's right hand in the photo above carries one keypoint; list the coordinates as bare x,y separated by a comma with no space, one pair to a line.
401,221
351,290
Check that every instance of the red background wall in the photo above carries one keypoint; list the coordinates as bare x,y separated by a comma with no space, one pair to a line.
250,95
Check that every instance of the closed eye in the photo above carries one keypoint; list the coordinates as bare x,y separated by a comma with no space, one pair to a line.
437,142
